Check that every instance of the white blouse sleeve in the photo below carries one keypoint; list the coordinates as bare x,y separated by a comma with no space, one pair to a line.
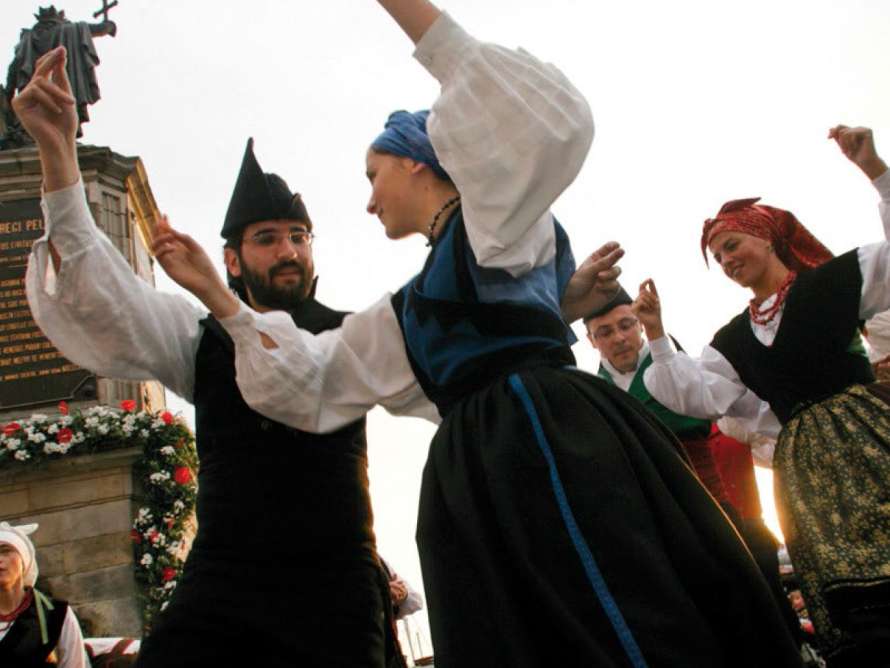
874,260
512,132
98,312
319,383
70,650
707,388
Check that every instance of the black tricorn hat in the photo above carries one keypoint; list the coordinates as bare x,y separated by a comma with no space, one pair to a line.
259,196
620,298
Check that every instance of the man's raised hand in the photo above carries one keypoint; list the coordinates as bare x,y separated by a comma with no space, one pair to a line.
46,106
647,308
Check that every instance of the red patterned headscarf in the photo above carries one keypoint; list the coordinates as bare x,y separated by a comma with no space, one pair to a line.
794,245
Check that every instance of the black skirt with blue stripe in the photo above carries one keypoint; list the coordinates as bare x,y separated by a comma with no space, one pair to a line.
558,523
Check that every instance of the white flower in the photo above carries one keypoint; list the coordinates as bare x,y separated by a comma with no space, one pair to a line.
159,477
65,447
12,443
164,605
169,585
79,437
173,548
52,429
178,505
36,437
144,514
51,447
103,429
143,433
92,421
22,455
66,420
146,560
38,418
168,450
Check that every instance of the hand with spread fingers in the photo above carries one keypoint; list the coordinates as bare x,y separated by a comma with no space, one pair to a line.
594,283
47,111
186,263
858,145
647,308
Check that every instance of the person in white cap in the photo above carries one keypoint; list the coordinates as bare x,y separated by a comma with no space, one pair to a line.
34,629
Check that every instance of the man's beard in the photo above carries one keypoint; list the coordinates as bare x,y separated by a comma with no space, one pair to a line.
265,293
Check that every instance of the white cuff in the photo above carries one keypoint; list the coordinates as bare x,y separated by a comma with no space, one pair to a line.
882,184
662,350
442,47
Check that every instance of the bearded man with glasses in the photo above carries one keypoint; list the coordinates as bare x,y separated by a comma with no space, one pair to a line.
283,569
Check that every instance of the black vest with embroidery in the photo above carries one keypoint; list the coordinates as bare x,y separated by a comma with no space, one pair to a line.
817,351
267,492
22,646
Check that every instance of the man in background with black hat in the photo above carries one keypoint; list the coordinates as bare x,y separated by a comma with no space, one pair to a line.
616,333
283,569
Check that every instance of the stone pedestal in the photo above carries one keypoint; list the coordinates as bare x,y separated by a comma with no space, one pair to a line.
84,504
85,507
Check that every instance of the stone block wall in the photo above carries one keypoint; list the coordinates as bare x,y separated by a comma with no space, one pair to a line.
85,507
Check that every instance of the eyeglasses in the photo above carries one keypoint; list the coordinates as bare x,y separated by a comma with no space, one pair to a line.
607,332
267,239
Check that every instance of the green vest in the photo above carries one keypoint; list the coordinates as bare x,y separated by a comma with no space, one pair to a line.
680,425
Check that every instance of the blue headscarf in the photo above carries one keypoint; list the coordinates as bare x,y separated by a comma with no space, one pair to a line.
405,135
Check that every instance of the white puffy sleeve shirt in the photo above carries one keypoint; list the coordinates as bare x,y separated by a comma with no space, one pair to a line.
709,387
512,133
97,312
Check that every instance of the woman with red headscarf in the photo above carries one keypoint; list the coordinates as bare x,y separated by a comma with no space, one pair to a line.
797,346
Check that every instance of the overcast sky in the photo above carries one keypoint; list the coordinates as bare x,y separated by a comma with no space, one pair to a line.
695,103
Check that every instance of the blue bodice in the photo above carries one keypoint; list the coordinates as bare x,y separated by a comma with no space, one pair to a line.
465,325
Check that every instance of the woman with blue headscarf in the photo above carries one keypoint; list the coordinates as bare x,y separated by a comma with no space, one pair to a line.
557,521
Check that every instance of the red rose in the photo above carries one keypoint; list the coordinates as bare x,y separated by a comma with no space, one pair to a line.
65,435
169,522
11,428
63,407
167,417
129,405
135,536
182,475
153,535
168,574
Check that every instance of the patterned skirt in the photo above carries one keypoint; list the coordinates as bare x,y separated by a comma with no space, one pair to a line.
832,486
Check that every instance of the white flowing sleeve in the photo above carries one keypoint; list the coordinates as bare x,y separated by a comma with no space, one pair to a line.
874,260
707,388
512,132
319,383
100,314
70,650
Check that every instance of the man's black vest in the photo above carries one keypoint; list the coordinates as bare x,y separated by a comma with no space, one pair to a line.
284,496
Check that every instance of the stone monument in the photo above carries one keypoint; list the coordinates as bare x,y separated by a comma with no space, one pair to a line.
85,504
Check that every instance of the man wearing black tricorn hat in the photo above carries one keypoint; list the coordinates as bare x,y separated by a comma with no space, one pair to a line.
283,570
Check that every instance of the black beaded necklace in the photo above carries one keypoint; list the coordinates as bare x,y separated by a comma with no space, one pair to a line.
452,201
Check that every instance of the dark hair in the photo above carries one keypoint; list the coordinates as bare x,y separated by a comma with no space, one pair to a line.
236,284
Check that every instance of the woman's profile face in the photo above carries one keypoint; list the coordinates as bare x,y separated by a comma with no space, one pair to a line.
743,257
11,566
391,192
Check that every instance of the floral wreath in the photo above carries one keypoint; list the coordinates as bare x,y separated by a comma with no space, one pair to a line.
167,467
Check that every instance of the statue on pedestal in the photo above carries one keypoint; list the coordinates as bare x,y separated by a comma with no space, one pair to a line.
51,30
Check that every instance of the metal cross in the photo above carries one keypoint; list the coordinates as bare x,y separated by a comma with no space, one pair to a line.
106,6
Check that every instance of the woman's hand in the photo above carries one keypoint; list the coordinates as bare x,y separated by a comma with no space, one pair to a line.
647,308
187,264
593,284
858,145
